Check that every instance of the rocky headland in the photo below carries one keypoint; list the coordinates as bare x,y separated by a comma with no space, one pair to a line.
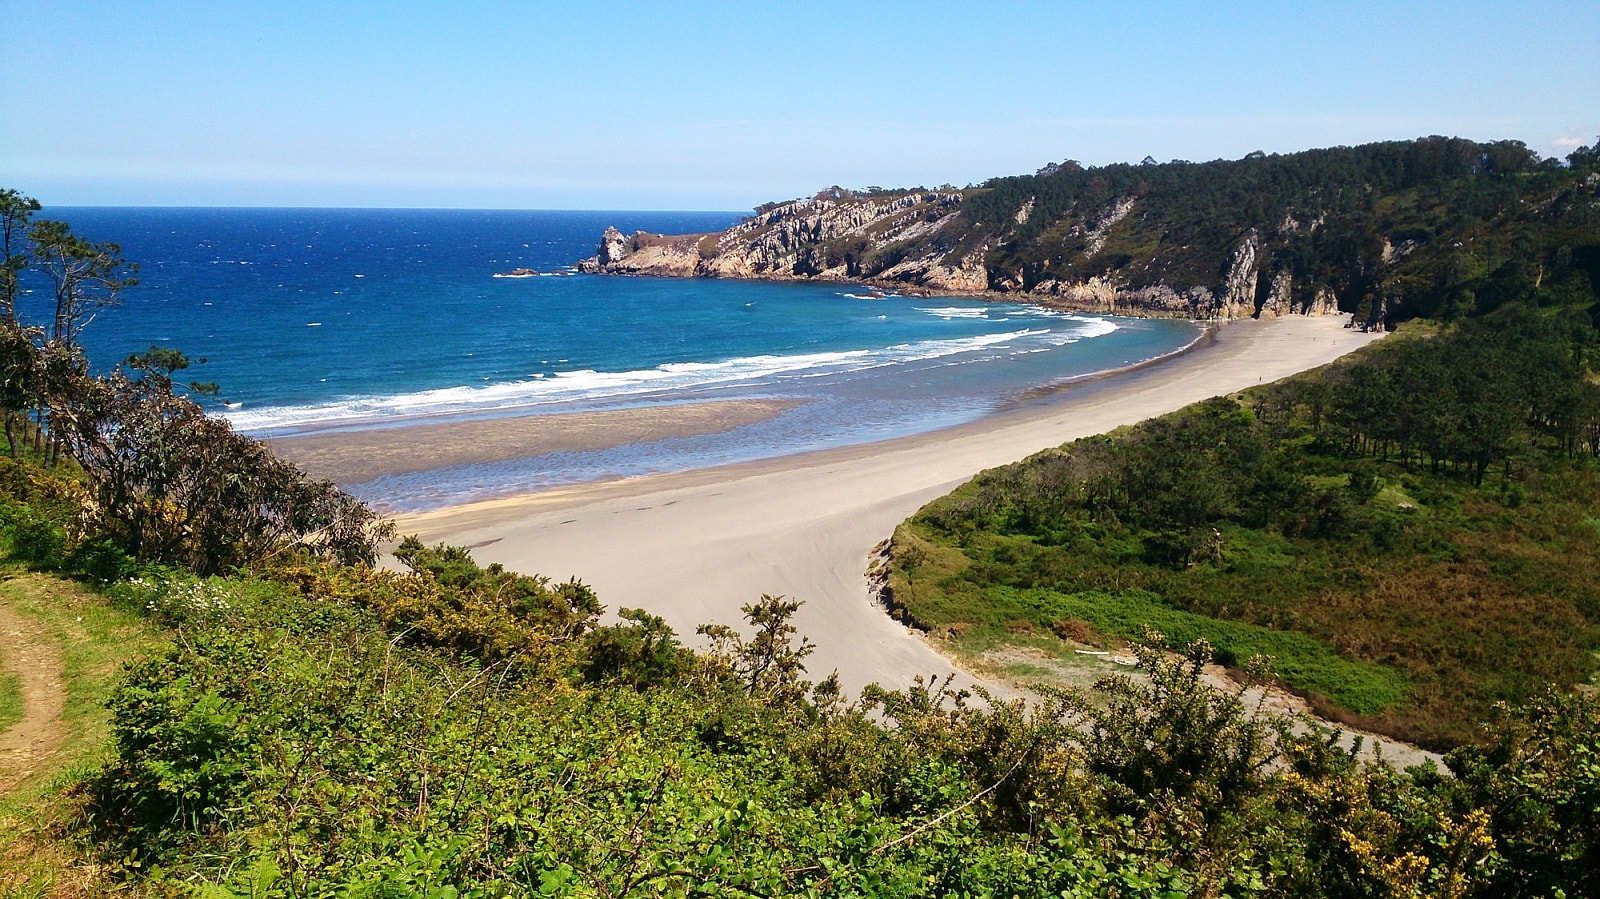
1368,231
911,240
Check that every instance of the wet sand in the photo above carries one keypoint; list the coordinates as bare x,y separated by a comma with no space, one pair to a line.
358,456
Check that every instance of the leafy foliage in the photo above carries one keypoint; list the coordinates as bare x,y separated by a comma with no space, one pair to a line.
325,728
490,615
1541,776
166,484
296,745
176,486
464,730
768,665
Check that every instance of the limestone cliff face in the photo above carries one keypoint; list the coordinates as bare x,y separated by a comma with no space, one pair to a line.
921,239
835,236
644,254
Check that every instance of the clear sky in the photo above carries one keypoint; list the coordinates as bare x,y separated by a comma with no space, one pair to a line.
712,105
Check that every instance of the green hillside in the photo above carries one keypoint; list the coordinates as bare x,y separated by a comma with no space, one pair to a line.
1412,535
1440,228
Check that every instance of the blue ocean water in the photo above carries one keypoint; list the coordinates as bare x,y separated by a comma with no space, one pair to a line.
311,319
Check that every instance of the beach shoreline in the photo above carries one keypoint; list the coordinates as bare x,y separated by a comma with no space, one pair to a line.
507,505
695,546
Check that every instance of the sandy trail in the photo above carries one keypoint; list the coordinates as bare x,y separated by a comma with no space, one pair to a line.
696,546
28,649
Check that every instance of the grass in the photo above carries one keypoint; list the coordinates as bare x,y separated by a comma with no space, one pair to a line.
10,699
95,641
946,596
1303,663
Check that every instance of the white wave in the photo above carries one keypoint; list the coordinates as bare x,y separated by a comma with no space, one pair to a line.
588,385
948,312
1093,327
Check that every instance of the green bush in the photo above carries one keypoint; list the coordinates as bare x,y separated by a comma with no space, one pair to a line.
102,559
34,539
179,599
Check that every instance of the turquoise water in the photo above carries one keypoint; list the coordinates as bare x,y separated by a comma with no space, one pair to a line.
324,319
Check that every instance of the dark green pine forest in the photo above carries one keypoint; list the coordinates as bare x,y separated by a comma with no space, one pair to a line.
1324,216
1406,539
1438,228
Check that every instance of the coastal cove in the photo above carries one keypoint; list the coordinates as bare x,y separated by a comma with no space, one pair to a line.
332,327
494,572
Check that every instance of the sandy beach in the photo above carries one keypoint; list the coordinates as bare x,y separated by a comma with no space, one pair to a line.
693,547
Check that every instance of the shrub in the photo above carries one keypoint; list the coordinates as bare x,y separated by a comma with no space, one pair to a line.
34,538
101,559
641,652
178,599
489,615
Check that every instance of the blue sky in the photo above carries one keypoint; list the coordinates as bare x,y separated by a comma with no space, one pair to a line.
709,105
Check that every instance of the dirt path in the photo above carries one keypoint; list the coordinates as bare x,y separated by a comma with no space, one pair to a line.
28,649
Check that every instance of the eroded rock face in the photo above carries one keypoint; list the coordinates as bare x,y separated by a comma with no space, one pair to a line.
643,254
1096,235
833,236
1280,297
920,239
613,246
1239,291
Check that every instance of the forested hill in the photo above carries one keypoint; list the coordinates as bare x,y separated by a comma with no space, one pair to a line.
1434,227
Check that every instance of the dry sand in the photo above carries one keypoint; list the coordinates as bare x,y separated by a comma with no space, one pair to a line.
694,547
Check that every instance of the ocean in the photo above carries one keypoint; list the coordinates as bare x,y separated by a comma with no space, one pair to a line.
319,319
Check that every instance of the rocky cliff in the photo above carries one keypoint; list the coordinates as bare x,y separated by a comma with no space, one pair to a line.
835,236
1310,233
910,240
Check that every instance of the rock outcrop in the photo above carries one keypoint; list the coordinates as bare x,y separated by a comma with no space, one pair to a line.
921,239
834,236
1259,236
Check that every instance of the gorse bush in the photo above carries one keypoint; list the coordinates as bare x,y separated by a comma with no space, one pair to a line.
298,746
446,601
